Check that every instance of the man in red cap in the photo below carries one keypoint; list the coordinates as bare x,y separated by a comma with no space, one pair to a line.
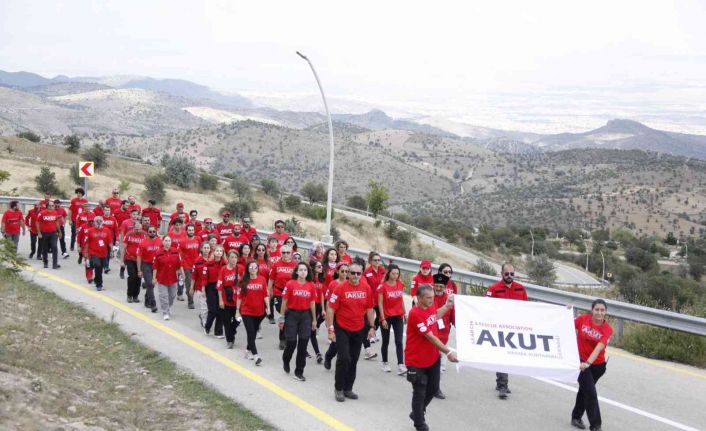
424,276
179,213
225,228
209,229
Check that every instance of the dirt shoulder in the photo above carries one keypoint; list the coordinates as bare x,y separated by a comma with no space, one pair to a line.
63,368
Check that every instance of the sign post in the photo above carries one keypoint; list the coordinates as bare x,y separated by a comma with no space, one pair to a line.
86,170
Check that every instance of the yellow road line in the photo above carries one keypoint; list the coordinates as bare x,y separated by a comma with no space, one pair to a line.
655,363
267,384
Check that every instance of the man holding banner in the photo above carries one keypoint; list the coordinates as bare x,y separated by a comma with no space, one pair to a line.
421,352
506,288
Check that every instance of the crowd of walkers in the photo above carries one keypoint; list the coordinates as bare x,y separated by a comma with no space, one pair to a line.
236,278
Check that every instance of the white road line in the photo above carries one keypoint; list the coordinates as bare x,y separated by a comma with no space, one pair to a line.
624,407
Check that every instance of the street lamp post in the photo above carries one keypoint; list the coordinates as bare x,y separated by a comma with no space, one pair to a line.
532,235
326,238
603,276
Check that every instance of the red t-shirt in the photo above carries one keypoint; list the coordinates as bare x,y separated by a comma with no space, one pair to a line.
126,226
253,303
281,237
154,214
319,288
443,334
189,248
264,269
98,211
374,278
177,214
500,290
280,274
167,263
13,221
148,248
114,204
232,242
48,221
250,232
347,259
99,240
132,243
203,234
418,280
120,216
225,230
211,270
76,206
273,256
112,224
197,276
62,212
351,303
451,288
228,278
177,238
418,351
392,298
329,289
31,220
131,207
298,296
589,335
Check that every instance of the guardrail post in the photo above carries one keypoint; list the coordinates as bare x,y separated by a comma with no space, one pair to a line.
619,327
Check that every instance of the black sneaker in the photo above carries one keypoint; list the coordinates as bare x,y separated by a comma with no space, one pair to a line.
502,392
56,266
31,255
596,428
282,344
129,299
136,299
578,423
106,270
350,395
327,363
272,320
440,395
339,396
80,258
154,309
191,306
46,265
319,358
90,281
285,366
122,273
299,377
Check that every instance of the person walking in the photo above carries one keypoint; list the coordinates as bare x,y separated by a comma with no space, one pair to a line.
77,205
593,334
12,223
146,252
350,305
339,276
167,269
507,288
441,295
62,232
422,352
280,273
298,318
198,282
131,243
31,222
48,230
253,304
393,316
317,279
189,250
228,299
373,275
211,272
97,249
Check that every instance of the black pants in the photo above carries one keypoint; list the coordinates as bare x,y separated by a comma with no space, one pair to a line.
297,329
133,280
377,316
278,306
272,308
319,320
73,235
394,323
148,285
348,345
229,323
252,325
425,383
62,240
587,397
48,245
33,241
97,264
214,312
366,328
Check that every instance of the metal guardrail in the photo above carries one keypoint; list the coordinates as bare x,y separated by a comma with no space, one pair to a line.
618,310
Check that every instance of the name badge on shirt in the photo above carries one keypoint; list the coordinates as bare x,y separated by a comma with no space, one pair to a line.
440,322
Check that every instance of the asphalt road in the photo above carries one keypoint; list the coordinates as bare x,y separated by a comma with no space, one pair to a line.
639,394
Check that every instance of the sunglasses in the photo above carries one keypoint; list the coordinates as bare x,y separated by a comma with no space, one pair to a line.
447,271
509,274
286,252
355,272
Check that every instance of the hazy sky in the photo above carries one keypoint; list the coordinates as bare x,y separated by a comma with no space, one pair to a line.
438,54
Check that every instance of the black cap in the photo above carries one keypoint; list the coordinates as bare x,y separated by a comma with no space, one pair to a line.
441,279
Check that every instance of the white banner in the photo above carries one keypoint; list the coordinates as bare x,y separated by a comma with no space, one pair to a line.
516,337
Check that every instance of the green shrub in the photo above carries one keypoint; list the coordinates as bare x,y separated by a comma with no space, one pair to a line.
208,181
97,155
179,170
72,144
292,202
270,187
74,175
11,263
483,267
314,212
660,343
154,188
30,136
46,183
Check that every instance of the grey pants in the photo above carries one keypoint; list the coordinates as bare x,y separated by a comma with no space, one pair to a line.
148,284
501,380
186,286
166,297
14,238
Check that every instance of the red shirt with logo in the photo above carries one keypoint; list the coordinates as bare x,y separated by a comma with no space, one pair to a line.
351,303
48,221
189,248
418,351
589,335
264,269
13,221
392,298
126,226
211,270
112,224
114,204
177,237
253,302
274,256
148,249
228,280
154,214
225,229
167,263
76,206
319,288
132,243
197,273
374,278
281,237
203,234
299,296
98,241
250,232
232,242
418,280
280,274
501,290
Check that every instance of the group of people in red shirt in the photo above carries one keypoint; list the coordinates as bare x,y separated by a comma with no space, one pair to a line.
237,278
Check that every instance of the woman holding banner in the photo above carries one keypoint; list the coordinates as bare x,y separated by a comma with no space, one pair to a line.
593,333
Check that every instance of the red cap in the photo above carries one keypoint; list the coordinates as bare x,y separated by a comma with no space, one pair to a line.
426,263
207,220
226,213
238,225
180,205
90,216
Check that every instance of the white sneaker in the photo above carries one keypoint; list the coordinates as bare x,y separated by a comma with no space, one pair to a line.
65,255
369,354
249,355
386,367
401,370
371,340
220,336
166,317
259,335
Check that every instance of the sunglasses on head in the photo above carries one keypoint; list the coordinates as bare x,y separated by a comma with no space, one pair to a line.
509,274
355,272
